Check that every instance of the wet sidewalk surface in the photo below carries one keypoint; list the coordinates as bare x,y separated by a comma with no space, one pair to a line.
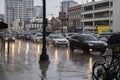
62,65
43,71
32,70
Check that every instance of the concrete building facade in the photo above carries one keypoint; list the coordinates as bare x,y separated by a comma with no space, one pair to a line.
35,25
74,19
18,9
95,14
65,4
38,11
63,14
116,16
2,17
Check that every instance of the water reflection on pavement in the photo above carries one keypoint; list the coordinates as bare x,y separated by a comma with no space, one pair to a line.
21,63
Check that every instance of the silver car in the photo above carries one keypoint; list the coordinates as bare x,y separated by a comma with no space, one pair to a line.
57,40
38,37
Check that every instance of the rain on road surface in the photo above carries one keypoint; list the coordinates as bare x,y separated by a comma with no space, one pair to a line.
22,63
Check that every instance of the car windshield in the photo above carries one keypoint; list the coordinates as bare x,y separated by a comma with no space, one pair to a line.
70,34
57,37
88,38
39,35
9,35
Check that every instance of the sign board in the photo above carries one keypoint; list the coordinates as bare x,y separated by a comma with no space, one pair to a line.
62,15
102,29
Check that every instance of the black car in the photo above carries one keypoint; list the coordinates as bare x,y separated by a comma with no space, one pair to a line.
113,39
87,43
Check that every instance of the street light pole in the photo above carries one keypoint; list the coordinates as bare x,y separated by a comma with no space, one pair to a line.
44,56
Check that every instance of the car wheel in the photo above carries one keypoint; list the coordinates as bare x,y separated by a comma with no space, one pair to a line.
71,48
54,44
35,40
66,45
86,51
102,52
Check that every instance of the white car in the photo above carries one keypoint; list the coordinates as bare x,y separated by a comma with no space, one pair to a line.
38,37
57,40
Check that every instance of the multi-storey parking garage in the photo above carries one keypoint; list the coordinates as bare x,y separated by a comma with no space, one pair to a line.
97,14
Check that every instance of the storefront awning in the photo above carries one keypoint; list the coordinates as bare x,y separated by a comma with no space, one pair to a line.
3,25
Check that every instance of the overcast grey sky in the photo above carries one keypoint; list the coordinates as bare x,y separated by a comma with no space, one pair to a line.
53,6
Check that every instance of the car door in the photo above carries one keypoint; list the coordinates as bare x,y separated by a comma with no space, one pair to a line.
77,42
80,43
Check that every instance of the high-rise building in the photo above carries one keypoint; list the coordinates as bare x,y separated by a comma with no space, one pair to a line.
18,9
116,16
38,11
65,4
2,17
63,14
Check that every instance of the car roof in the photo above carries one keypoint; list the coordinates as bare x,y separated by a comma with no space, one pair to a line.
55,35
82,34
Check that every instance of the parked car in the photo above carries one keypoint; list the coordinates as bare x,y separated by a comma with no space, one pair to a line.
20,35
57,40
29,36
113,39
87,43
61,34
9,37
1,34
37,37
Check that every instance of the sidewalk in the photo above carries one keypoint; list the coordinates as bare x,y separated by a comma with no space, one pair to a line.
24,64
29,69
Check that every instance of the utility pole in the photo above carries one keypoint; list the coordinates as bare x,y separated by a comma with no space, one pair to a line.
44,56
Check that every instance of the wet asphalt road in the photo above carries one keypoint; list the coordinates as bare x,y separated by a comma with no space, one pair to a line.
21,62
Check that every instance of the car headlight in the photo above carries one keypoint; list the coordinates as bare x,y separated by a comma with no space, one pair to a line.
105,44
90,50
91,44
56,41
13,38
6,38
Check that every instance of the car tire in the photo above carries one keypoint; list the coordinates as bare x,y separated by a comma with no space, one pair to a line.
71,48
54,44
86,51
66,45
102,52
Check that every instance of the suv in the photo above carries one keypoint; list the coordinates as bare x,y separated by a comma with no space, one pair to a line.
114,39
87,43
